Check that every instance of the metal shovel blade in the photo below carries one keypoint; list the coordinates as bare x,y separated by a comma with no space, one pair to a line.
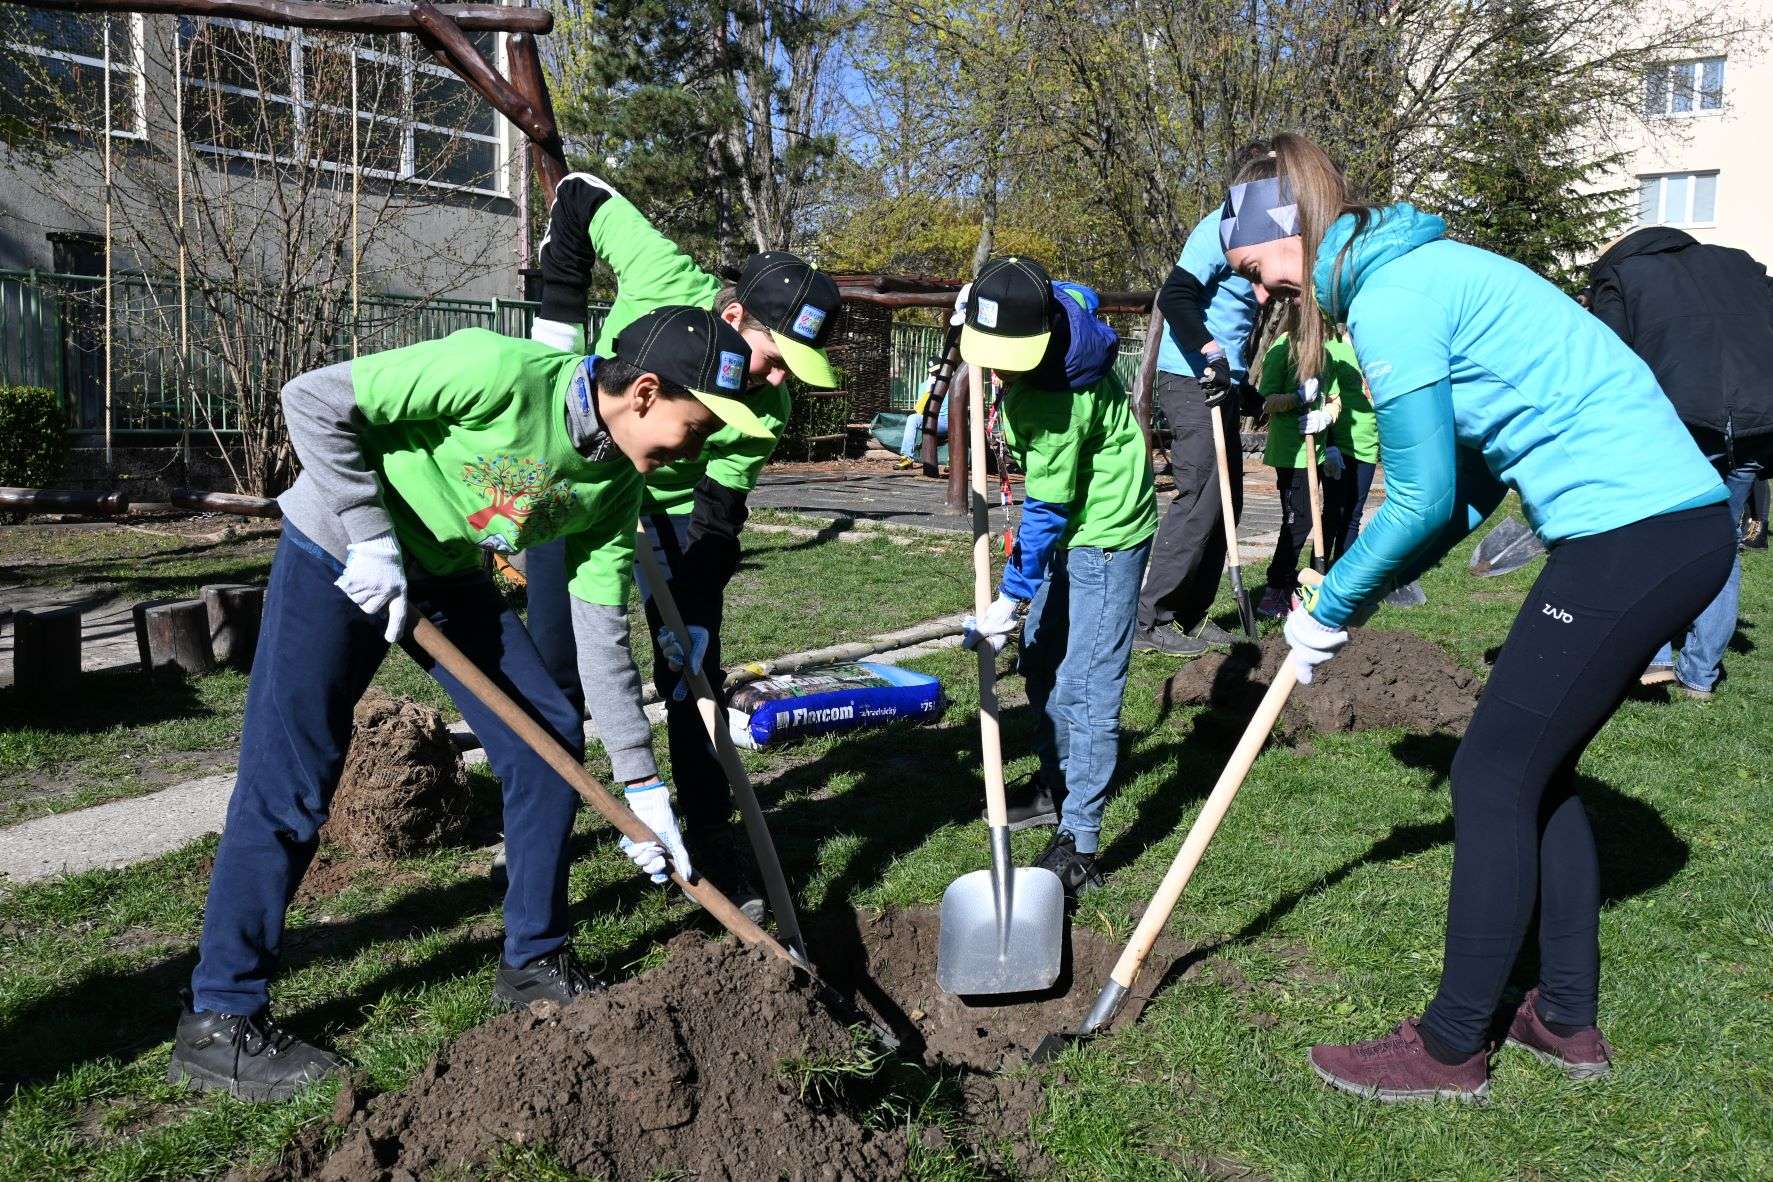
1409,595
1510,546
1017,949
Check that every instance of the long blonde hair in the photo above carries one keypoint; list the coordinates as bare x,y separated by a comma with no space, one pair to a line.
1321,193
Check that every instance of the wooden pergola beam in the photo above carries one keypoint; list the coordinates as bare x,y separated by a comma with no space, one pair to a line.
343,18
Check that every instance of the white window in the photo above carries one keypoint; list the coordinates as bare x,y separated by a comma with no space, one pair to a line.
276,94
53,70
1693,87
1678,199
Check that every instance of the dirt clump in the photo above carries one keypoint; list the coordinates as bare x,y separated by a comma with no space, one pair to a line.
1380,679
695,1069
403,790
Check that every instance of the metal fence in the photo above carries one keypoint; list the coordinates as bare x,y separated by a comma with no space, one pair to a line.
52,334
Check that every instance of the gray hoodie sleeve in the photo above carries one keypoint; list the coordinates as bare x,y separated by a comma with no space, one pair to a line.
320,409
612,688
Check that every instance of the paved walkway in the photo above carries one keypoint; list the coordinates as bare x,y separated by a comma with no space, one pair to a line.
107,631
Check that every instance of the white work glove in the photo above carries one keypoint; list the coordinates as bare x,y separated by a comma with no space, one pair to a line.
960,306
994,628
375,578
1333,464
558,334
673,654
651,802
1310,642
1315,422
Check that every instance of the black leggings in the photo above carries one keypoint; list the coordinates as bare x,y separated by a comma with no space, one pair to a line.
1520,837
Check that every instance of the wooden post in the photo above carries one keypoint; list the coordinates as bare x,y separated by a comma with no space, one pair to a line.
138,614
46,650
176,637
233,611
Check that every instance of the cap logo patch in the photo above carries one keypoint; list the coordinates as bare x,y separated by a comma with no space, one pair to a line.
987,313
732,369
808,323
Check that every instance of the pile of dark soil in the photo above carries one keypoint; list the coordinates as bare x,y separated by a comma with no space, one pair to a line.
720,1064
403,790
1381,679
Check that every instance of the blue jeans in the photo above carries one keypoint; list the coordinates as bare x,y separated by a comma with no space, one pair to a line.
1076,647
914,431
1701,662
316,654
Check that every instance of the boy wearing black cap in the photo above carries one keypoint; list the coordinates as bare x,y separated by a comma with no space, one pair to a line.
415,463
695,507
1087,521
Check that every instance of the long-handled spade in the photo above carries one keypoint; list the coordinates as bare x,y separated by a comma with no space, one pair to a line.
427,636
1246,611
1320,559
775,883
1003,929
1169,891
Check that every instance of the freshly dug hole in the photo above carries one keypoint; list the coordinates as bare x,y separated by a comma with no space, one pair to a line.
1380,679
403,790
718,1065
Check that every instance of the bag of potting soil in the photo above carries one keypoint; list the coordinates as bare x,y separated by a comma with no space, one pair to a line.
829,698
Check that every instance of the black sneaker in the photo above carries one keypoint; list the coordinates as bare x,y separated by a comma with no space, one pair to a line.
1167,638
249,1057
1213,636
1077,872
557,977
1031,804
725,865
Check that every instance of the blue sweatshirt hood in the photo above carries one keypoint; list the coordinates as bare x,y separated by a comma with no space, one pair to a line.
1083,349
1391,231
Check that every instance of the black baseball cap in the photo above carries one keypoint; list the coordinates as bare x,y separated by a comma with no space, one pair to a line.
695,349
1009,320
798,303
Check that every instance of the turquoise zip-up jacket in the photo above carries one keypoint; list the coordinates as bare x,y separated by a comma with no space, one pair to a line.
1486,378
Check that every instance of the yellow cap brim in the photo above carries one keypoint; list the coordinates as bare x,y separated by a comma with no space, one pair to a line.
735,414
1013,354
808,364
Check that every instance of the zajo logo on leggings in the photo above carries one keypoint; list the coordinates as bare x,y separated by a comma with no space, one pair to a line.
1558,614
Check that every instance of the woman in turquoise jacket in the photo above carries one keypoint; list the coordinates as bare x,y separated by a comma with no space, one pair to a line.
1487,378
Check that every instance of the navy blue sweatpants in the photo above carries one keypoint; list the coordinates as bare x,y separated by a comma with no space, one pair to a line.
316,654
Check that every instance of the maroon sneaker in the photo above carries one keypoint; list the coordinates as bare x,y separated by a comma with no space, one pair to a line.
1398,1067
1584,1055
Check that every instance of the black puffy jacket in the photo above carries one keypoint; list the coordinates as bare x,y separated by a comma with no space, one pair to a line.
1702,318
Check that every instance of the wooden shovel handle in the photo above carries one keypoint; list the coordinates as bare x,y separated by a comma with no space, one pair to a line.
996,811
1226,513
434,642
1317,500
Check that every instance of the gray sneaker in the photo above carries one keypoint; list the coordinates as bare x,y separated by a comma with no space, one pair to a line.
1213,636
1167,638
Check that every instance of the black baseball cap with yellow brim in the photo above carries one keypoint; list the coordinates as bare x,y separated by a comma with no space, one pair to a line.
697,350
798,303
1009,317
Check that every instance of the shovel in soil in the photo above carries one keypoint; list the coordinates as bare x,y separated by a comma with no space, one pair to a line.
1246,610
1508,547
1157,913
1003,929
427,636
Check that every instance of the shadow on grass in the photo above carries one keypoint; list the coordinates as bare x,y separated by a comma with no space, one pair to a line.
1638,852
108,698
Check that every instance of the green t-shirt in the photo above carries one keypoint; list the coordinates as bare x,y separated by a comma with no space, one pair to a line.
651,272
1082,449
469,440
1340,377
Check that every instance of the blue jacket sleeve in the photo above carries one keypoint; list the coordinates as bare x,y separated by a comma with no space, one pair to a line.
1043,524
1418,521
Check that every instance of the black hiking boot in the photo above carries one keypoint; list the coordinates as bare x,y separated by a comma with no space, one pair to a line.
1077,872
1168,638
249,1057
557,977
727,866
1213,636
1031,804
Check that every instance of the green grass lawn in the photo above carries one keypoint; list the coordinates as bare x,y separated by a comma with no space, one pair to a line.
1317,915
119,737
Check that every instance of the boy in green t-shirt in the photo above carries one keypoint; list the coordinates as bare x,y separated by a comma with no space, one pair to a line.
1087,520
416,462
1294,413
693,508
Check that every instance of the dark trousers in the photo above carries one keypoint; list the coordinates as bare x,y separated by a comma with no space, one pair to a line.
1350,497
317,652
1521,841
1188,552
1295,529
704,799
